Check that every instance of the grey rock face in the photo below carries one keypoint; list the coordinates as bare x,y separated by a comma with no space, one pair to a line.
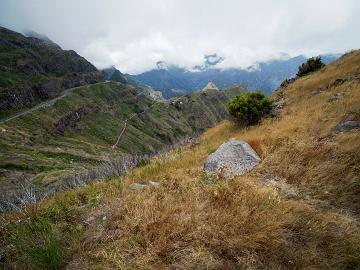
234,157
347,126
18,96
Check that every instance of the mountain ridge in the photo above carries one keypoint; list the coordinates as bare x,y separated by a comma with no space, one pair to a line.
265,76
31,71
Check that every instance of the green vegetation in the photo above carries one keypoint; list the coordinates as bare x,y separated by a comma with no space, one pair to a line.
36,244
49,235
311,65
32,146
249,107
298,209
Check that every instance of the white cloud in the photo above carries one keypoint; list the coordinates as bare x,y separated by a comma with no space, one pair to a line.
134,34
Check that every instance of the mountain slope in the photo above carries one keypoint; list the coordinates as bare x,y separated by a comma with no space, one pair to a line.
176,81
299,209
113,74
77,131
32,70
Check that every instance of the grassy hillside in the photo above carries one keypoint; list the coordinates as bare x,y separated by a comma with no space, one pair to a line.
299,209
77,132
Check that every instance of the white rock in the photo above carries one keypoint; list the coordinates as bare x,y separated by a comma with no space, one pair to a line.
137,186
154,184
235,157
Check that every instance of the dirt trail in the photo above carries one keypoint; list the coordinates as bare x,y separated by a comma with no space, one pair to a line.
128,119
46,103
66,93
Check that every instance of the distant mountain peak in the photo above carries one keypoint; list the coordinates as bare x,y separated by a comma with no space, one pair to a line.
266,76
162,65
210,61
209,86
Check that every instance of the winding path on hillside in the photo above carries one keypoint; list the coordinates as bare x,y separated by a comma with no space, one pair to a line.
128,119
65,93
47,103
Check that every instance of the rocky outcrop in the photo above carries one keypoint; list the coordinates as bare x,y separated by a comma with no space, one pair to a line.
18,96
335,83
279,102
210,86
347,126
285,83
235,157
69,120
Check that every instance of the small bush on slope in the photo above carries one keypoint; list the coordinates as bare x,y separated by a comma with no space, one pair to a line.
249,107
309,66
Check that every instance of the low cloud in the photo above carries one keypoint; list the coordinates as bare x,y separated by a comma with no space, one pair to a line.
134,35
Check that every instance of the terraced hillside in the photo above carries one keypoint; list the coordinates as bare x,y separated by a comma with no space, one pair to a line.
298,209
77,131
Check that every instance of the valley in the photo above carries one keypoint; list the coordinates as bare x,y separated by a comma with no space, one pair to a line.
298,209
230,155
76,130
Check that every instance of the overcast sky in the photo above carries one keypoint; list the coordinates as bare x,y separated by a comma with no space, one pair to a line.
134,34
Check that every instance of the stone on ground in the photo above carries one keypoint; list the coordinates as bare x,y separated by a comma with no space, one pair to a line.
154,184
137,186
347,126
232,158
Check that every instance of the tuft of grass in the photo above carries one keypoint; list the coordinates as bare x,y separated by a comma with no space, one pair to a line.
94,198
34,244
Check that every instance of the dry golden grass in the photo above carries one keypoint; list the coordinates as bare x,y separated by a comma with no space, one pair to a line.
256,145
192,222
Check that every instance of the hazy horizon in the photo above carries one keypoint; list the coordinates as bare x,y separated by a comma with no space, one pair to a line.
134,35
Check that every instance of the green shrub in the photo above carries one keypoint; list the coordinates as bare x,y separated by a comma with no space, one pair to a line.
312,64
249,107
32,245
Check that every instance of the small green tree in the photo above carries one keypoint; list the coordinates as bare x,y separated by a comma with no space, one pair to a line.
312,64
249,107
